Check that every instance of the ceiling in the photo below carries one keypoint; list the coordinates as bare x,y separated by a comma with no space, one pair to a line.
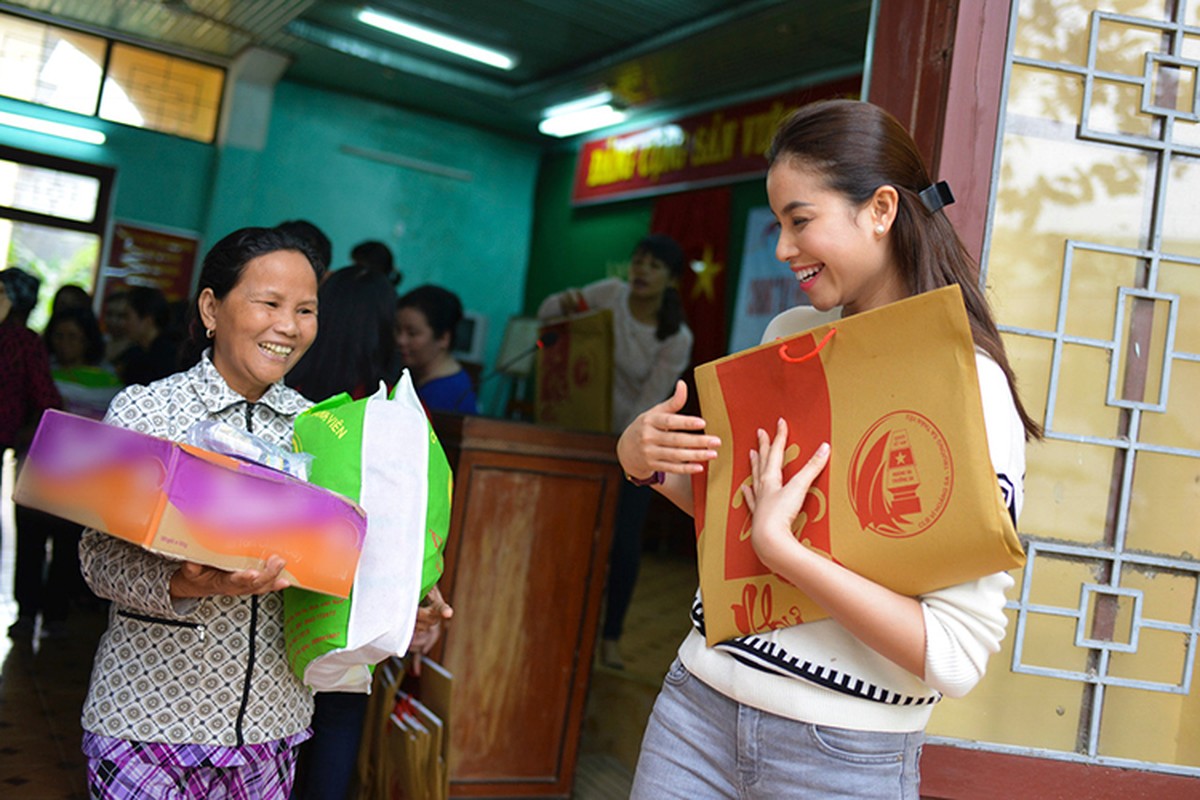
657,56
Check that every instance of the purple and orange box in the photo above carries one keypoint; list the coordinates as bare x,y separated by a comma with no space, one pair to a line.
188,503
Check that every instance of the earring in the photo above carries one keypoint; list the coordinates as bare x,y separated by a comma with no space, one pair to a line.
208,332
880,230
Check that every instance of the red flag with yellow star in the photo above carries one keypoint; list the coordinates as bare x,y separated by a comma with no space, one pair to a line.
699,221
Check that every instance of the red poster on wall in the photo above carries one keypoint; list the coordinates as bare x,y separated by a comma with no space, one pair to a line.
139,255
699,221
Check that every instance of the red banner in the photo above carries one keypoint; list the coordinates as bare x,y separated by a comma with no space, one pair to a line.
140,255
708,149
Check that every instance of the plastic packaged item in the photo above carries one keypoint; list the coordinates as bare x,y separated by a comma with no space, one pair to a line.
220,437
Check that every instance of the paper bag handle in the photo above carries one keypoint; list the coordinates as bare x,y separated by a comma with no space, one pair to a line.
783,353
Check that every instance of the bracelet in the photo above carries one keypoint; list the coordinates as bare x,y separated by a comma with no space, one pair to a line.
653,480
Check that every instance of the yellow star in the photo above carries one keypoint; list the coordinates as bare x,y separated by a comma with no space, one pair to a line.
706,272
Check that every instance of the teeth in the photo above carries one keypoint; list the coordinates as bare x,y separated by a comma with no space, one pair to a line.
277,349
808,273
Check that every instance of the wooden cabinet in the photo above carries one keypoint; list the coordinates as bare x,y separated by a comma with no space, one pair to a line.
525,570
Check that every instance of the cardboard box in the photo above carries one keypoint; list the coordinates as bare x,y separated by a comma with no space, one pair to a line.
187,503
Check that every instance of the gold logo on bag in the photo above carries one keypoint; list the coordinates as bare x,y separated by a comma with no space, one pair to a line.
901,475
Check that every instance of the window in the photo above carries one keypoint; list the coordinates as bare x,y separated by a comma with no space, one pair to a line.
162,93
124,83
52,217
50,66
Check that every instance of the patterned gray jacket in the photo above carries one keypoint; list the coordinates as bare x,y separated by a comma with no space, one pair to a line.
209,671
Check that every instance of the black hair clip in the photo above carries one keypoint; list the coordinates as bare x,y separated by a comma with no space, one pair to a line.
937,196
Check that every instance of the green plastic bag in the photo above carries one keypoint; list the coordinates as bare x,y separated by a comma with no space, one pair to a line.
382,453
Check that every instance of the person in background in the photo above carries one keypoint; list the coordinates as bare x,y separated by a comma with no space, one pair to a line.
152,354
860,227
355,345
70,295
116,326
26,390
377,256
76,348
652,346
426,319
316,238
351,354
191,694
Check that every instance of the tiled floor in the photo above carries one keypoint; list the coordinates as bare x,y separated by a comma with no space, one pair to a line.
42,686
41,692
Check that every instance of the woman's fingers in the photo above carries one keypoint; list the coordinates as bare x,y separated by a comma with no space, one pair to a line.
775,448
812,468
661,439
677,400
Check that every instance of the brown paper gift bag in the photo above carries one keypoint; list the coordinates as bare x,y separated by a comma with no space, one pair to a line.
575,372
404,750
909,498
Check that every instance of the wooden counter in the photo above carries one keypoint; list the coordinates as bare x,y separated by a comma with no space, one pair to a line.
525,568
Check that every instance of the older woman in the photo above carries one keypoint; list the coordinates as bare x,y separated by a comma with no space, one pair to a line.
191,695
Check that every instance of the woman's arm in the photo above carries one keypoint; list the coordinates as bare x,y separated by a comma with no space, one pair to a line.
137,579
598,294
560,304
663,440
891,624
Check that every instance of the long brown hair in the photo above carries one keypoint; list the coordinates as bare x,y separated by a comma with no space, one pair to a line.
857,147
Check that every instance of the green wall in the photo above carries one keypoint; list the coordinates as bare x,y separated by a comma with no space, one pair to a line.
471,236
503,239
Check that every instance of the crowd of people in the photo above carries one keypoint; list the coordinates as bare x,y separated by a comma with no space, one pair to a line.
168,708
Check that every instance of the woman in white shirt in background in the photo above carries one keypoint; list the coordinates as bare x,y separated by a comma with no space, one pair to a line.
652,346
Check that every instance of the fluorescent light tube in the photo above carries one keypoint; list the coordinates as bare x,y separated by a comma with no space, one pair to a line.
589,119
591,101
442,41
62,131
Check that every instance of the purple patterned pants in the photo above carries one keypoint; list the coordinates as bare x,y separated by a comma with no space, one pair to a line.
262,780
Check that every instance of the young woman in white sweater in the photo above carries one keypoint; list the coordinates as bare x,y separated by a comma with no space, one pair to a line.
836,707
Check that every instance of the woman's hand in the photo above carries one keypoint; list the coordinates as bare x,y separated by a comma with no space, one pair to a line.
889,623
197,580
433,611
571,302
774,504
663,440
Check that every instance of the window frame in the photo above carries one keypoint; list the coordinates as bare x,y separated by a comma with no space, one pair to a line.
104,174
111,38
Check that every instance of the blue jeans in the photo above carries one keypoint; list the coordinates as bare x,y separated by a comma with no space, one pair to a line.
700,743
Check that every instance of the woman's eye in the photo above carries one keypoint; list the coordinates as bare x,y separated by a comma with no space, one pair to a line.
798,222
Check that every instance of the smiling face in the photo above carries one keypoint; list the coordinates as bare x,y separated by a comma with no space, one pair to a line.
831,246
265,323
